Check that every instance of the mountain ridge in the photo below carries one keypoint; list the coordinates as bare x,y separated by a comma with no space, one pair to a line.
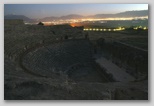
76,16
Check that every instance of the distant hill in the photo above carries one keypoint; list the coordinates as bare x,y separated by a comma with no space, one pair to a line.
122,14
26,19
72,16
49,18
76,16
133,13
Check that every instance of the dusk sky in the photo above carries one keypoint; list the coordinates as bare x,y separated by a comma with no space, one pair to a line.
47,10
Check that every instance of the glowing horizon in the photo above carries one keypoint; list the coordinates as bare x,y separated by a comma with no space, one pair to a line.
70,21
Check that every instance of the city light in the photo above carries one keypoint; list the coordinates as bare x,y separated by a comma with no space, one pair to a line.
116,29
109,29
145,28
135,28
72,22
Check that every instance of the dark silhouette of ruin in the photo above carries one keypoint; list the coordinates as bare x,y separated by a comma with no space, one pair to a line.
66,37
125,55
86,36
62,60
40,23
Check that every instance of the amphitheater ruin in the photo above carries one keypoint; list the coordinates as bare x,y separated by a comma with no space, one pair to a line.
62,62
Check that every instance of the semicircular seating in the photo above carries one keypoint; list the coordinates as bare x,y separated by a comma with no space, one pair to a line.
58,57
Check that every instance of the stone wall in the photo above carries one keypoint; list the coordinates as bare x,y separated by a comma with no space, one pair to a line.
133,59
